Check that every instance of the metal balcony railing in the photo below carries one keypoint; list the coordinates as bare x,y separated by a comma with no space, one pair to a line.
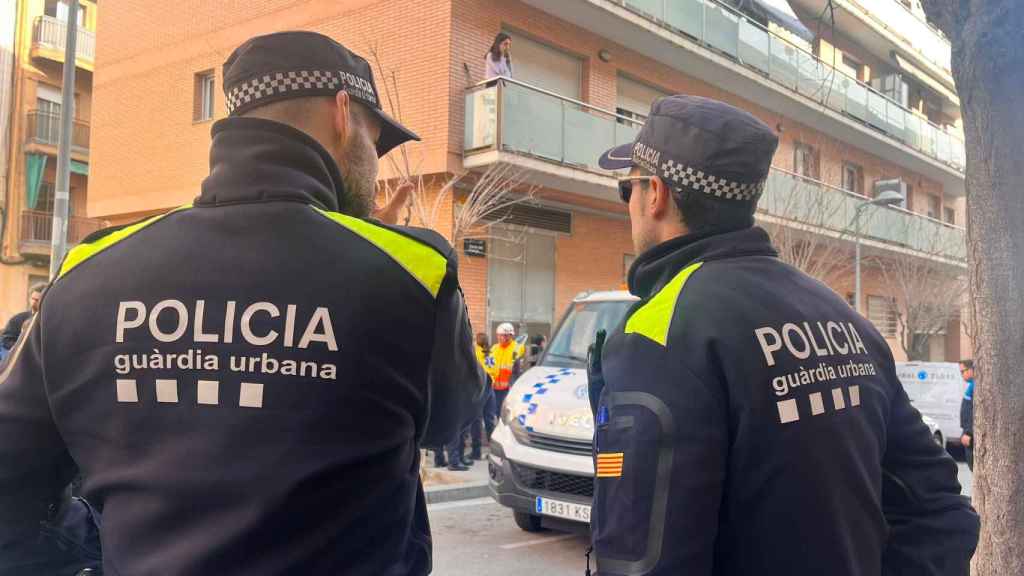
44,128
37,227
51,33
731,33
511,116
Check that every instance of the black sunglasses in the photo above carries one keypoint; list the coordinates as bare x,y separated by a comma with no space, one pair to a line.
626,186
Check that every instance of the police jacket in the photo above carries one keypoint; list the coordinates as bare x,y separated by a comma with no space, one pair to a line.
967,409
236,379
750,422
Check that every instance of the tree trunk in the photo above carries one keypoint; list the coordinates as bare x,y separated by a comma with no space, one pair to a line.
988,64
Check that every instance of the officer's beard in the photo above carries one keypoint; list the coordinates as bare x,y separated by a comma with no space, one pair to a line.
359,173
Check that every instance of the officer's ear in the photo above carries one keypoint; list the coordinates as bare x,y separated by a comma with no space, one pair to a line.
343,116
659,199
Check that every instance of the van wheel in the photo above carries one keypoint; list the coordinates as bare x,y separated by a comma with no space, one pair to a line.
527,522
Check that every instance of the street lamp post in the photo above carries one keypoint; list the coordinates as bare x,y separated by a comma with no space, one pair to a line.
887,198
62,192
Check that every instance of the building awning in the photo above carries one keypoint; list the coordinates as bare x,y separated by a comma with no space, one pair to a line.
79,167
35,166
780,12
923,77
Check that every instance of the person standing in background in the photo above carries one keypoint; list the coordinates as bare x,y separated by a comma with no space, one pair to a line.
967,412
12,331
537,344
482,425
506,353
498,60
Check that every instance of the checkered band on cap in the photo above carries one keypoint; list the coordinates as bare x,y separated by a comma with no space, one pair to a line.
693,179
276,83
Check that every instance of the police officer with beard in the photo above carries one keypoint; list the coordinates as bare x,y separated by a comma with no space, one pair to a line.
232,378
748,421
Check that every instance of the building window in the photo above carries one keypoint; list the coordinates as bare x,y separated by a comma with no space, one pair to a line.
854,67
805,160
934,206
634,99
950,215
202,108
47,193
853,178
882,313
59,9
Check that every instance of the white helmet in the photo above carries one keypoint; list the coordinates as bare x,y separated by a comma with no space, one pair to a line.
506,328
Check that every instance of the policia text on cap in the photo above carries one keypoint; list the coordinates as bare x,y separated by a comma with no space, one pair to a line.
235,379
748,421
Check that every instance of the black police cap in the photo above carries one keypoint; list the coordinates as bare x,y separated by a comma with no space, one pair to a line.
302,64
701,145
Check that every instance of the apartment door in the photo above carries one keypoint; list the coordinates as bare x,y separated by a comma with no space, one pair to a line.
521,282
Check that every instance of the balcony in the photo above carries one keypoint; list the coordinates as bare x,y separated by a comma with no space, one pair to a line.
44,129
830,210
49,38
558,140
788,65
714,43
37,231
565,136
889,23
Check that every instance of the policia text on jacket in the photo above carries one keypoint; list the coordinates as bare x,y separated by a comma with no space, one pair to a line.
260,324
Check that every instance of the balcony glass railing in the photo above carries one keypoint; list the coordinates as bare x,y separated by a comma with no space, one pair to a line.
746,41
52,33
542,124
821,206
510,116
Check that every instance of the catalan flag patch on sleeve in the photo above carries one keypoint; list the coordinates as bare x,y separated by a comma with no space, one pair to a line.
609,465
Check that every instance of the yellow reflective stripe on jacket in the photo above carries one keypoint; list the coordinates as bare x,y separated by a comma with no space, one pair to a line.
424,263
83,252
654,318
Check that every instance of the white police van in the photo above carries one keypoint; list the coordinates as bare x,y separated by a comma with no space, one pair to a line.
935,389
540,460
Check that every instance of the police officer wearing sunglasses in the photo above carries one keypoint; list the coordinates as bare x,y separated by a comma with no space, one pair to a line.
748,421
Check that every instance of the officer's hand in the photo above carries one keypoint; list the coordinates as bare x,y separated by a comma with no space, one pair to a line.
966,440
390,212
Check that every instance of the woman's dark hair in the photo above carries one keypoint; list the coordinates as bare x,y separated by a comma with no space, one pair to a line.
495,51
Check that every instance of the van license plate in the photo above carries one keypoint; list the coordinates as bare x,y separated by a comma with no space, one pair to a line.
567,510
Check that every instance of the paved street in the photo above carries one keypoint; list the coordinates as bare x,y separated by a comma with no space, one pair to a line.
478,536
475,537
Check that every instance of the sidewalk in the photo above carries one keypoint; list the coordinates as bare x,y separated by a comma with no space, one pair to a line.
443,485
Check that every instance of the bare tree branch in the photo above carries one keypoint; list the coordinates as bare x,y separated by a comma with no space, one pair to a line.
929,293
491,194
800,222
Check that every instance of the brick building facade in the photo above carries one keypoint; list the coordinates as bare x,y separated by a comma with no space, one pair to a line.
32,132
579,69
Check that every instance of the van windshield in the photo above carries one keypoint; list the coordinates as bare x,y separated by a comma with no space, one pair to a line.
578,330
